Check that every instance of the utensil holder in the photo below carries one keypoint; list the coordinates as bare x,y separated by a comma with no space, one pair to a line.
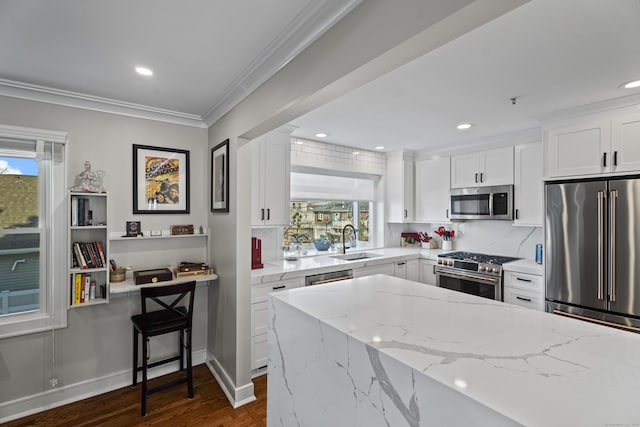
118,276
447,245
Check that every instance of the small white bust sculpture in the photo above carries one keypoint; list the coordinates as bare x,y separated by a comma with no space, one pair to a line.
89,181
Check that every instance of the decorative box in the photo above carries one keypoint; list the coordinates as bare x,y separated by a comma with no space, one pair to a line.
178,230
152,276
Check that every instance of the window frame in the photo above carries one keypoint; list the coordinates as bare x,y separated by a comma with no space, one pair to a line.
52,228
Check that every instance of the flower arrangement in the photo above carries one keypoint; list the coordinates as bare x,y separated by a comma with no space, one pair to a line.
445,234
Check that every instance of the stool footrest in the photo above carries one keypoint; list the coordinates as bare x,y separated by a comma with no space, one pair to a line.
159,362
167,385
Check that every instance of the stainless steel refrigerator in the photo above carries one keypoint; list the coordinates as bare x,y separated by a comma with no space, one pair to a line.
592,250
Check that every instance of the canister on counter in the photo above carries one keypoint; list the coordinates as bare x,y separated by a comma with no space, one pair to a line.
539,253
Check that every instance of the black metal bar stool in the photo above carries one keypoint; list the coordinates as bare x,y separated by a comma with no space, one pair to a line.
170,319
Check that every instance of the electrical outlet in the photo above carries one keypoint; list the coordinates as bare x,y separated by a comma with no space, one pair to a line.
53,382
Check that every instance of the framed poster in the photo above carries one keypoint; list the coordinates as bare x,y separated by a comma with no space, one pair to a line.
220,177
160,180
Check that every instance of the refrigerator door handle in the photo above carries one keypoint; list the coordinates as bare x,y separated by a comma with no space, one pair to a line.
613,195
601,242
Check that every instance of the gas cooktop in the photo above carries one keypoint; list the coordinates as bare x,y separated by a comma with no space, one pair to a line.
479,258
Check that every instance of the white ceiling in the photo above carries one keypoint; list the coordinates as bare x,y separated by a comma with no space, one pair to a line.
551,54
208,54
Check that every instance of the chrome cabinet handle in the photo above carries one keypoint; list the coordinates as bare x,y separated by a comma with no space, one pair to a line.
600,245
613,196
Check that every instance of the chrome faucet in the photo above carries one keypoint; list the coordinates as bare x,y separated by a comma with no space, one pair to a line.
344,246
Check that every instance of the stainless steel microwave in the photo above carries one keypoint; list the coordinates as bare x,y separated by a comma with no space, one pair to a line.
481,203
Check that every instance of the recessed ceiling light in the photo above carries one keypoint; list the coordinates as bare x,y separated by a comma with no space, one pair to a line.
460,383
356,152
322,135
463,126
631,85
380,147
143,71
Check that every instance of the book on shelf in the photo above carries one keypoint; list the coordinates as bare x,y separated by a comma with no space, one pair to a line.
92,290
78,288
86,287
103,259
74,211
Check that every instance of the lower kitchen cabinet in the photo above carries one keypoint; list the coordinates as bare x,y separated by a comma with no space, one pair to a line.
525,290
427,272
407,269
388,269
259,320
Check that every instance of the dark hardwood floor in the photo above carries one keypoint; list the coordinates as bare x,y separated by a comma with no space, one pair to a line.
170,407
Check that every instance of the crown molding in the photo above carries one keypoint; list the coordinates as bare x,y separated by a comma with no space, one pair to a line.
313,21
49,95
588,109
33,134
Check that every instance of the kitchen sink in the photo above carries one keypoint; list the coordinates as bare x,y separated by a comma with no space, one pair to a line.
355,257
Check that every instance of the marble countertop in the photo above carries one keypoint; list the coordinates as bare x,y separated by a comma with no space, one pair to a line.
283,270
535,368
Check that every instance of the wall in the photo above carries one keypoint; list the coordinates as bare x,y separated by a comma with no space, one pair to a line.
93,353
374,38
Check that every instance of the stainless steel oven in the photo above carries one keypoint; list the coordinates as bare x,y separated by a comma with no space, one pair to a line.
475,274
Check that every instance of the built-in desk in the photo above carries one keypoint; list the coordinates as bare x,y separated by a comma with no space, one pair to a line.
129,285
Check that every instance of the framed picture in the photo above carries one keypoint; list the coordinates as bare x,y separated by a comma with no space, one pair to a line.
160,180
220,177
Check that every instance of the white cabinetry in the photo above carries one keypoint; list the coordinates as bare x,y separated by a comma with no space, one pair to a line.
388,269
271,164
259,321
493,167
528,185
433,177
625,143
579,149
400,186
427,272
407,269
525,290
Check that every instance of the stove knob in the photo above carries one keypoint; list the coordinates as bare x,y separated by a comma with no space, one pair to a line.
495,269
439,261
450,262
483,268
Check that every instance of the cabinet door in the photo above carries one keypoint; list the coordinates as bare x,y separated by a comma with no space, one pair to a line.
578,150
411,270
465,170
399,188
427,272
388,269
259,351
400,269
496,167
407,187
433,179
625,143
528,184
277,155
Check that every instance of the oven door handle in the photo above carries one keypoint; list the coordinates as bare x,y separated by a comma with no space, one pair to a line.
467,276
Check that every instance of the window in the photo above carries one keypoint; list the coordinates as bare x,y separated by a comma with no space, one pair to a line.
322,205
32,223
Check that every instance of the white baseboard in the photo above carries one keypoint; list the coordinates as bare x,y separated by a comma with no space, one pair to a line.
53,398
237,396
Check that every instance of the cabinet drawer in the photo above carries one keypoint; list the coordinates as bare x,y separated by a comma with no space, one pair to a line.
259,351
529,282
524,298
261,292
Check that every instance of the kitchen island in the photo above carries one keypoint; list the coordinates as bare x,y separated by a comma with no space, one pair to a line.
383,351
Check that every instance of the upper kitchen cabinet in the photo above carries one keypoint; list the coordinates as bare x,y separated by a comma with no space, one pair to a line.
597,146
482,169
271,162
433,177
579,149
400,194
528,185
625,143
